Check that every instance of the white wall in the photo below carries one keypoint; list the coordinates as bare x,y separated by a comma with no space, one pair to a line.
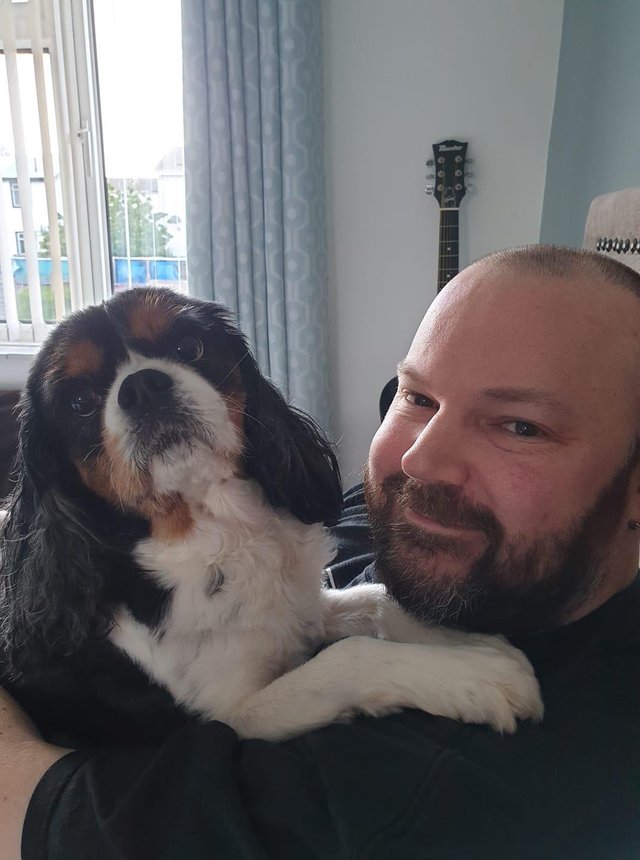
596,126
400,75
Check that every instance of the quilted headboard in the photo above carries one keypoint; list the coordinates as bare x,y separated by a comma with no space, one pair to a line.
613,226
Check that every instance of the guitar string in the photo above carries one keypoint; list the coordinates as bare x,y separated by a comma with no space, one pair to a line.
446,251
448,234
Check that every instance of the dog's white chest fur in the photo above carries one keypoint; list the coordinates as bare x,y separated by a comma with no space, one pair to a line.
248,608
245,605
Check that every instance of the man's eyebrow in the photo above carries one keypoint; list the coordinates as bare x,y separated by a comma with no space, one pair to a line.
534,396
406,370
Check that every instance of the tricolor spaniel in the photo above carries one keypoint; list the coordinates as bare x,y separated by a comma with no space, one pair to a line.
163,551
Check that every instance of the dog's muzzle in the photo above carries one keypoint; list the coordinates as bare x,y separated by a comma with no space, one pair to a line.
155,405
146,392
156,415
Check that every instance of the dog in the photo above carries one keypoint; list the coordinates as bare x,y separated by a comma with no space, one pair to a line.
163,551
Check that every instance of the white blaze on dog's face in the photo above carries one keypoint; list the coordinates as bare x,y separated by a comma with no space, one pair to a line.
154,402
165,419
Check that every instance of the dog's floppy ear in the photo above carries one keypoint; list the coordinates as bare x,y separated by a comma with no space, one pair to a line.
50,580
288,454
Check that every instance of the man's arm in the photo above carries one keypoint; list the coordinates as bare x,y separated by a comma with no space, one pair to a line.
24,758
375,788
405,786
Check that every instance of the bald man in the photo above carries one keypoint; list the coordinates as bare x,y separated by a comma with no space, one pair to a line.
504,496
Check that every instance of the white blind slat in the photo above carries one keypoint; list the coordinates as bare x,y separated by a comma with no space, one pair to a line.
47,160
6,270
22,169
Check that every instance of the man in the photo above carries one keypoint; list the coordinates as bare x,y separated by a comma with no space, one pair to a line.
504,491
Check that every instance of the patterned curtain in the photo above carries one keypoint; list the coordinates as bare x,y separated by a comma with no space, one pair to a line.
255,181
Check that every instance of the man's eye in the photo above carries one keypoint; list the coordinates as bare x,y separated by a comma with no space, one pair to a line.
85,403
188,348
417,399
522,428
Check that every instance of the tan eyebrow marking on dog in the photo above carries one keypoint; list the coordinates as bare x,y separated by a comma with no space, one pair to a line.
76,358
151,317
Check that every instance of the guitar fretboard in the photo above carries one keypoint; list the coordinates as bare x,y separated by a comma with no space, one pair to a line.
448,259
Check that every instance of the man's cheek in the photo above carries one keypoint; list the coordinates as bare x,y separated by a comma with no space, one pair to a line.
529,499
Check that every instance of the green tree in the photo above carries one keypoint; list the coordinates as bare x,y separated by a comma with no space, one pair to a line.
148,233
45,244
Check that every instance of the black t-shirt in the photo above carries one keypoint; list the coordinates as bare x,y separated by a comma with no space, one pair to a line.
406,786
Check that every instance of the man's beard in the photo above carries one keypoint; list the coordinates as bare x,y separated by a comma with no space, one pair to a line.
515,586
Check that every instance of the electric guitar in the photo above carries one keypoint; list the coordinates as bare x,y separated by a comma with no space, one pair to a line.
449,162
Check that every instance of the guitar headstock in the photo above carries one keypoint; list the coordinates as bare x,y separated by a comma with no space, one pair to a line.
449,163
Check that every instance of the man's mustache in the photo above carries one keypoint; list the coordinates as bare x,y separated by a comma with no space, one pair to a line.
441,502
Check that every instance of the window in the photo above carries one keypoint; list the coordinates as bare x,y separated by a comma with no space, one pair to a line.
139,62
85,230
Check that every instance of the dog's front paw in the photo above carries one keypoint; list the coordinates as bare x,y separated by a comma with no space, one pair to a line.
484,682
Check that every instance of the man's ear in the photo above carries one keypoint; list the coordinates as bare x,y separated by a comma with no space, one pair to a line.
633,512
633,507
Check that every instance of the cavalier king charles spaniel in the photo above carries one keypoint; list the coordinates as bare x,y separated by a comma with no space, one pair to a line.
163,551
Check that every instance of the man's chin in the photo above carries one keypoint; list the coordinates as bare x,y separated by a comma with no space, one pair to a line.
442,594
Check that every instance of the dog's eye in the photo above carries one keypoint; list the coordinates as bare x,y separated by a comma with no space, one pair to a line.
188,348
85,402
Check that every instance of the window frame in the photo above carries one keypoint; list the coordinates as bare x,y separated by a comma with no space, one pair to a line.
72,51
75,36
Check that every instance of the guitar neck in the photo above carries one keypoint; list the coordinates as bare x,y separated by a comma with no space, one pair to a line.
448,260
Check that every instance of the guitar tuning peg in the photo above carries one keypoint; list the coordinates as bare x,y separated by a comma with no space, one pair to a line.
469,160
468,174
470,187
428,189
430,176
430,163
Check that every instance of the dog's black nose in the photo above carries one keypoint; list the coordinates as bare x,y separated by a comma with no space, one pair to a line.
144,390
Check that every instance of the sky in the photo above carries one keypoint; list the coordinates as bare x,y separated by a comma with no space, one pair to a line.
140,74
140,79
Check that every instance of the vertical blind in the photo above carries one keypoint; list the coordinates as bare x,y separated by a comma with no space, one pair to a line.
30,158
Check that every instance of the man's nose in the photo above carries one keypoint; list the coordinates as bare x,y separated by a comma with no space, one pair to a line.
439,453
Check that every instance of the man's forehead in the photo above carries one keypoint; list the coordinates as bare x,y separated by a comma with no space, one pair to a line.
512,330
488,299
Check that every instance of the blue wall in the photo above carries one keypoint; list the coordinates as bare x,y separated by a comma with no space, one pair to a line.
595,133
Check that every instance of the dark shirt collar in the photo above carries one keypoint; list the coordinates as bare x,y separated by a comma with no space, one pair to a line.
615,624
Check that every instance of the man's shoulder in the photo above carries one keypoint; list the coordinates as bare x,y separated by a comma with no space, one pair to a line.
567,787
405,780
353,540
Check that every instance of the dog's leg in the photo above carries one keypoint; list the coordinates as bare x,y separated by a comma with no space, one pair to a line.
474,683
367,610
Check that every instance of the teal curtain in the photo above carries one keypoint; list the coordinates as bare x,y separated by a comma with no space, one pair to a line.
255,181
